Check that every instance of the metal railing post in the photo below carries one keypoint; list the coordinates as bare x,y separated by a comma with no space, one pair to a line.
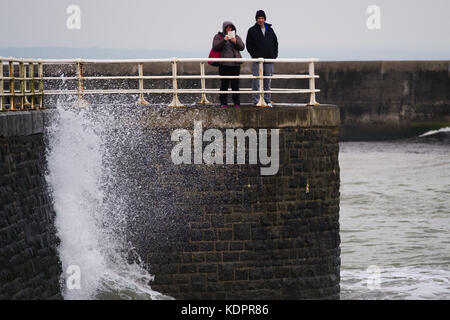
23,87
31,74
12,90
312,86
2,84
22,84
41,84
141,85
81,102
175,101
203,99
261,102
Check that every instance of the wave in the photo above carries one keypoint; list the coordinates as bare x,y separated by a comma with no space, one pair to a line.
445,131
91,223
396,283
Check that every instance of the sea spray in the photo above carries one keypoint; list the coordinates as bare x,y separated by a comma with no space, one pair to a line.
444,130
91,223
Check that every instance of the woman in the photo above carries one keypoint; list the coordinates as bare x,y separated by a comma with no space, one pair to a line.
229,44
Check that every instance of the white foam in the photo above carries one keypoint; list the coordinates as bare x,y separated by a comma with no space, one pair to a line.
75,170
397,283
431,132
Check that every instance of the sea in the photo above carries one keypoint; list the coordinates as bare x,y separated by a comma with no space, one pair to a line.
395,218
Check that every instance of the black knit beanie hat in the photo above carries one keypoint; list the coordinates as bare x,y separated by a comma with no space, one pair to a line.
260,13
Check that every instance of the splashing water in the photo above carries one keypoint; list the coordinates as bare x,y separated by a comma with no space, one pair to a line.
90,226
445,130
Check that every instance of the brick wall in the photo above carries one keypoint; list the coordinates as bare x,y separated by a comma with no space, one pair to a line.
206,231
225,231
29,264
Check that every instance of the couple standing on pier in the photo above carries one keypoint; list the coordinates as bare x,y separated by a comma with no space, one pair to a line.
261,43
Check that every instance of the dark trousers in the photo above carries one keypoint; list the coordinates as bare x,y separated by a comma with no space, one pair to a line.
224,83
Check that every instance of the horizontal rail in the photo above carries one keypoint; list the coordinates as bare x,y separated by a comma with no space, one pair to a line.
170,91
134,61
286,76
20,94
29,79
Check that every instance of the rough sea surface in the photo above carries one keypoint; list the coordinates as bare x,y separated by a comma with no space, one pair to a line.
395,218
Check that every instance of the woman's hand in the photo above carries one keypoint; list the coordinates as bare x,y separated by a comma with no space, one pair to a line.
227,38
233,40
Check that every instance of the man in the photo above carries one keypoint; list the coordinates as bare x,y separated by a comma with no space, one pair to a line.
262,42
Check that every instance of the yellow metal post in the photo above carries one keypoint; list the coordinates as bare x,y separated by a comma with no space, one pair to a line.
81,102
2,84
31,74
12,91
23,86
141,85
203,99
41,85
175,101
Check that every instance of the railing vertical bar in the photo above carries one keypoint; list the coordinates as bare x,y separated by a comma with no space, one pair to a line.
26,103
2,84
22,84
312,86
41,84
261,101
175,101
31,74
203,99
79,81
141,84
81,102
12,91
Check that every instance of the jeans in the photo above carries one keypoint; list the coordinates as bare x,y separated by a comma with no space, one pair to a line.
224,83
267,71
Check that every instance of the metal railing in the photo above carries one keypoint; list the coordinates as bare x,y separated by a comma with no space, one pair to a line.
30,97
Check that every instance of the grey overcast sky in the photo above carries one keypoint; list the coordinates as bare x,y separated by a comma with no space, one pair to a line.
410,27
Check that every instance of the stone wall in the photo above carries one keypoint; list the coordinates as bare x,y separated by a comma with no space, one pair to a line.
29,264
387,99
226,231
205,231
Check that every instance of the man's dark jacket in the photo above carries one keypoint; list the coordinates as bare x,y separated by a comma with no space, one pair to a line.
262,46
